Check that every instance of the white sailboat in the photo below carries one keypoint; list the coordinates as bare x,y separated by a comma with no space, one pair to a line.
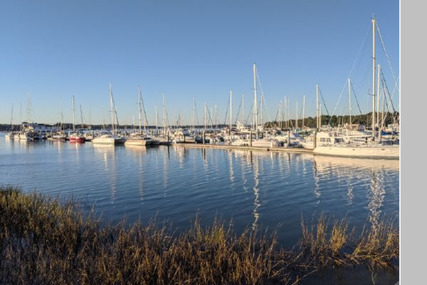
11,135
113,138
339,145
139,139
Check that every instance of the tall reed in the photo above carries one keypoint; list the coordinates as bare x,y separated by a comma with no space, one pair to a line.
44,241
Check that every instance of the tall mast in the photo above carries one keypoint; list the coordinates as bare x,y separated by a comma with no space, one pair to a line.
112,110
286,112
378,94
194,112
261,108
139,109
373,78
349,99
157,115
216,117
81,115
296,116
20,112
62,118
205,118
303,110
382,112
280,114
243,108
11,119
318,123
90,118
255,116
231,109
210,115
74,115
164,114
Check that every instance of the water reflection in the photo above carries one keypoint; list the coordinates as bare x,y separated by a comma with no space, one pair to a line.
166,162
268,188
231,167
376,197
108,157
204,158
181,153
316,177
351,171
139,152
257,203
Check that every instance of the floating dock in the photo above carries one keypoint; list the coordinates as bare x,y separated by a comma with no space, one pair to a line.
249,148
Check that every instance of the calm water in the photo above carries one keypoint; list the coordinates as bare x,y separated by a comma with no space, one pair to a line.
255,189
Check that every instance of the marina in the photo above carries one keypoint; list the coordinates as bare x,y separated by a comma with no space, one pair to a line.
253,186
219,142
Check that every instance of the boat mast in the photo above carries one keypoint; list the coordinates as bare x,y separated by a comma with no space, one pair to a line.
11,120
81,115
255,116
139,109
112,110
378,94
194,113
62,118
210,116
157,115
318,123
373,78
382,112
164,114
296,116
216,117
231,110
243,109
74,115
303,111
285,110
349,99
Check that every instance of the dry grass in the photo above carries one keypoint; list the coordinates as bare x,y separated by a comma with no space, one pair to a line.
45,242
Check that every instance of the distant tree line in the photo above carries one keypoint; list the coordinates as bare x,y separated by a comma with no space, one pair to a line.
334,121
310,122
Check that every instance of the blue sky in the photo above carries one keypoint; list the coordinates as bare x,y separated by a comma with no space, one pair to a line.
54,50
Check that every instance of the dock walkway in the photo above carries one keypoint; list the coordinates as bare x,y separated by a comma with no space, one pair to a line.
231,147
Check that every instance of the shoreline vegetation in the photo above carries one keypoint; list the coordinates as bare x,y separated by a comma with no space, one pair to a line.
310,122
45,241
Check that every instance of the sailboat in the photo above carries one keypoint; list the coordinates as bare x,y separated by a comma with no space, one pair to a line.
75,136
113,138
139,138
339,145
11,135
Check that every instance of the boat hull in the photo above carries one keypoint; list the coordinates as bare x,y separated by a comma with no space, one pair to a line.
77,140
391,152
110,140
140,142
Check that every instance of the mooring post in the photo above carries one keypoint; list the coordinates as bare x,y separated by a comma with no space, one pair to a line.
250,140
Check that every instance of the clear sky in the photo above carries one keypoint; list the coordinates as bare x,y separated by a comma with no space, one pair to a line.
54,50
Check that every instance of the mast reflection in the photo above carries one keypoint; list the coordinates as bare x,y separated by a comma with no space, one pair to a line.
255,163
108,155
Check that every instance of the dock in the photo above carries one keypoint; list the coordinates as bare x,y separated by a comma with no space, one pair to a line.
248,148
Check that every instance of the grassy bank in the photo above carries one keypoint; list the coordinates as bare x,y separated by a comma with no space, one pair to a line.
45,242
